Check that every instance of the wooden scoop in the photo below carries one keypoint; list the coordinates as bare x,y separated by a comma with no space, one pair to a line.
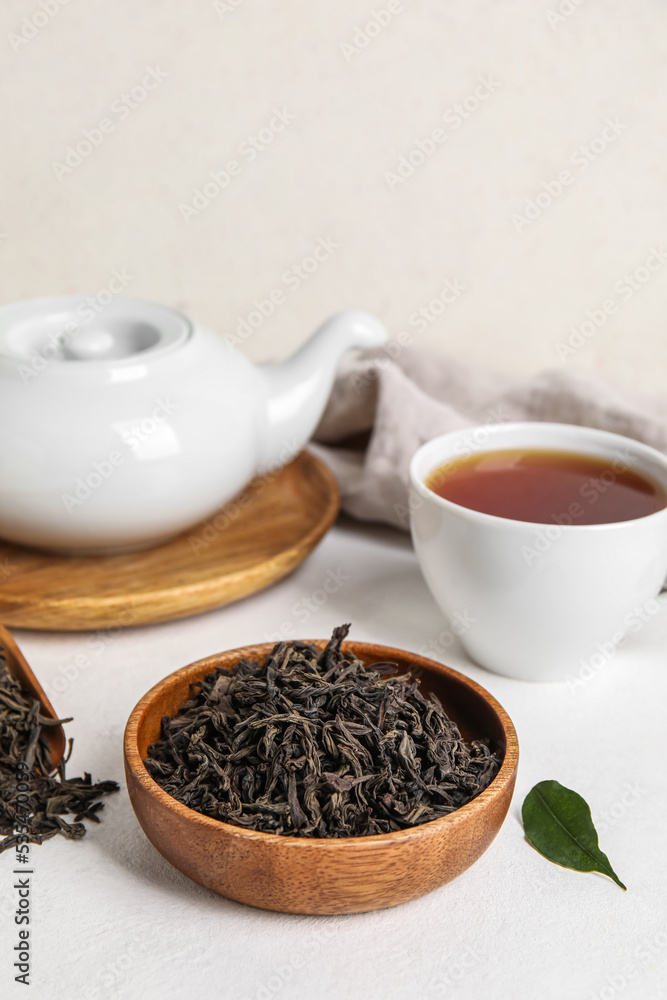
54,736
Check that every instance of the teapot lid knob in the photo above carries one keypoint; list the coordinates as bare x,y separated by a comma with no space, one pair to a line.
90,345
117,339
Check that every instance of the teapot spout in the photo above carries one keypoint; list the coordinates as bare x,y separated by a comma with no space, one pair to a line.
298,388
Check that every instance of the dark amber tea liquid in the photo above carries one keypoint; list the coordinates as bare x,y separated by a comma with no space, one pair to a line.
545,486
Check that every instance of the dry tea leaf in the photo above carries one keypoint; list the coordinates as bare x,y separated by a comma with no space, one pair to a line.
33,802
315,743
557,823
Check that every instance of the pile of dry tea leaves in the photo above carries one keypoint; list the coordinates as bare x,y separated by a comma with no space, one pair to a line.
36,811
316,744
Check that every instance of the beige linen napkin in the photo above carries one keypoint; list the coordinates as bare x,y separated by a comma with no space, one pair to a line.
381,410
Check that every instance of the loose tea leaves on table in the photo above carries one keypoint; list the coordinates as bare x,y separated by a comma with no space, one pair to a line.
33,803
316,744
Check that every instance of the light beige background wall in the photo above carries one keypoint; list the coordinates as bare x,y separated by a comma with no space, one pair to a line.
558,71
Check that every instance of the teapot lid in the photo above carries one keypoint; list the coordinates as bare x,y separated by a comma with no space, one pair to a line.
82,329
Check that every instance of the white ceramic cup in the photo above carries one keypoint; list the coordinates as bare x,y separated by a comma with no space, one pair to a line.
538,601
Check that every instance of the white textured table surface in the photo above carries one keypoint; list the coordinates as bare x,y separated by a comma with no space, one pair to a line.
111,918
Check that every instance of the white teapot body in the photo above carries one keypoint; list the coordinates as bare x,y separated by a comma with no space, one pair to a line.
122,430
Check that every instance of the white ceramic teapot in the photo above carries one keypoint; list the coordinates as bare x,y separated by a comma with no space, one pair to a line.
124,425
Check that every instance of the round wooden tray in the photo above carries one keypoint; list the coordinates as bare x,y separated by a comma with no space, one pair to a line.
259,537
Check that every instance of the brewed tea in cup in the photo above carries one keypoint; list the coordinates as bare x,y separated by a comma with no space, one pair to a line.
548,537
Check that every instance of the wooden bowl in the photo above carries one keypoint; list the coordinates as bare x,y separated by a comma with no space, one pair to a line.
336,875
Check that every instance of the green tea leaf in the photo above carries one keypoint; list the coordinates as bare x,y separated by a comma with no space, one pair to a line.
557,823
